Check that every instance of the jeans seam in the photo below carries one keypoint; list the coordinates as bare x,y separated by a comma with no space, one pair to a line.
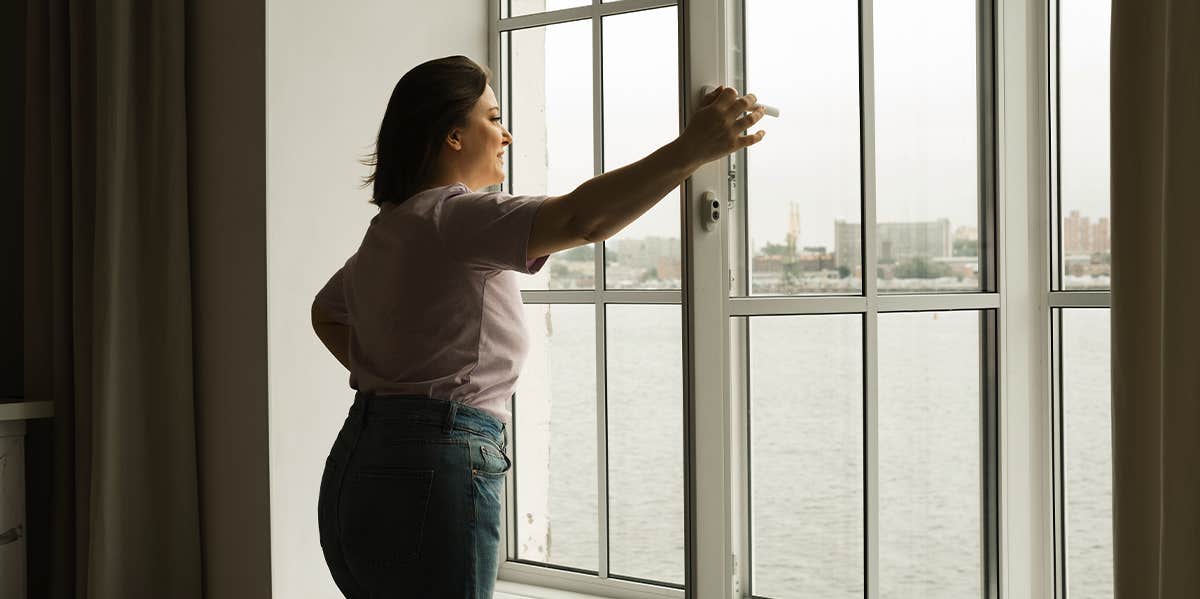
337,504
474,527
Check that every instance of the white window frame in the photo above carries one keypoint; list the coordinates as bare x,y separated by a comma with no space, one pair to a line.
1026,497
600,297
715,472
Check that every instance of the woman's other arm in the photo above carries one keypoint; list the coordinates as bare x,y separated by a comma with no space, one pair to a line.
335,335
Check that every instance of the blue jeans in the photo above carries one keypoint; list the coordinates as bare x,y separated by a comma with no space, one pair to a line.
410,499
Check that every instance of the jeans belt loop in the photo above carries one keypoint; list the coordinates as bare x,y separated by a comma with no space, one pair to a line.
450,414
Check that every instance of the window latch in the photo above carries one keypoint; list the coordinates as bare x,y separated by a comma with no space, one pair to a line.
710,210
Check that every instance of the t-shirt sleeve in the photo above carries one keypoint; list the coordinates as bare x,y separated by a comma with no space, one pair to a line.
332,297
490,230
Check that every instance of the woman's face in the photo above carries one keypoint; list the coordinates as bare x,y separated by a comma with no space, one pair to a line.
480,155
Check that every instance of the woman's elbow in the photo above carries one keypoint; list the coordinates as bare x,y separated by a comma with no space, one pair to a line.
318,317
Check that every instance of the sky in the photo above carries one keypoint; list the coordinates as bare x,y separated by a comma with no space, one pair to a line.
802,57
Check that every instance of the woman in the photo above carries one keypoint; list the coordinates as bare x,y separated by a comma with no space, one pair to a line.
427,317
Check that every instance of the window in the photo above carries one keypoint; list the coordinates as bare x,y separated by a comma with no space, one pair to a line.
871,373
809,403
1079,298
598,410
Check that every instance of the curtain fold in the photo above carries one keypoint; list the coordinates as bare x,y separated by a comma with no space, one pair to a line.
108,293
1156,297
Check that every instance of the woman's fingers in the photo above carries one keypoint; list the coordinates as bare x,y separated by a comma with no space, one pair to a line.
718,95
753,138
744,103
749,119
755,114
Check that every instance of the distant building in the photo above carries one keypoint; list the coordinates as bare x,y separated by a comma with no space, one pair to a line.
645,253
1076,234
1081,236
895,242
847,244
793,232
669,268
1100,236
764,263
805,262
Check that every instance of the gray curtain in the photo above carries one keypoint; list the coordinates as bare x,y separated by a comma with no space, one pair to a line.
108,308
1156,297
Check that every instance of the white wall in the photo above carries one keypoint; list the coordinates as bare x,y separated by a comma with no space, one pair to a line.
330,70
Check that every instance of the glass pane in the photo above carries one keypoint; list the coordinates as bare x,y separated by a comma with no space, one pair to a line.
1087,452
645,442
555,438
525,7
930,496
803,185
551,125
806,456
641,114
1083,46
926,145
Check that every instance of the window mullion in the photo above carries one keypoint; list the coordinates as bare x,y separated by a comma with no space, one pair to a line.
601,439
870,291
600,311
1023,411
988,212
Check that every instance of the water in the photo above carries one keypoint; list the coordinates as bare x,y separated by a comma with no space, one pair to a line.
807,450
1087,452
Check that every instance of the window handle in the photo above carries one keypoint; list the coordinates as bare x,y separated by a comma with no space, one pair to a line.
770,110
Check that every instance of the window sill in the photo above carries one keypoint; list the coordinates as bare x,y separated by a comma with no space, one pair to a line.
506,589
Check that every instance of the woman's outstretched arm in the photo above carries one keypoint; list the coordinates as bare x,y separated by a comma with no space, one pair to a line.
603,205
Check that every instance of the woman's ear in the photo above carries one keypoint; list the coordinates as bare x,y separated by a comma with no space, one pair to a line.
454,140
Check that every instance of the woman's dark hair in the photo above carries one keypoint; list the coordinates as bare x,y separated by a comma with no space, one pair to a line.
428,101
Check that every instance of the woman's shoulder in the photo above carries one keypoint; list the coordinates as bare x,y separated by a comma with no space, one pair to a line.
432,198
424,203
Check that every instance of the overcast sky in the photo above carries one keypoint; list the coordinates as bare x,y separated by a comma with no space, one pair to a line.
802,57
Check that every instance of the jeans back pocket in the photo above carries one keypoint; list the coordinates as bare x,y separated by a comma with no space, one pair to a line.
381,514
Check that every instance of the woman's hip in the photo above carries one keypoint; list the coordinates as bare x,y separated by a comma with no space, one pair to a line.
412,497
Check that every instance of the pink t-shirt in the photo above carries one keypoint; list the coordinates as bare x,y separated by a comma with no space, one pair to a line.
433,300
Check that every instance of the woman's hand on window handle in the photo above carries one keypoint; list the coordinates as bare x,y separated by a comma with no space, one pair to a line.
715,130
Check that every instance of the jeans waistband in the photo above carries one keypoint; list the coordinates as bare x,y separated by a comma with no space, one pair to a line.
422,408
